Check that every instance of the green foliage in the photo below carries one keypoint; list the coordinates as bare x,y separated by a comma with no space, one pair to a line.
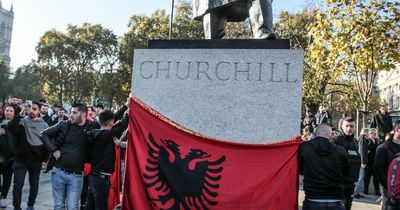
25,83
356,39
76,60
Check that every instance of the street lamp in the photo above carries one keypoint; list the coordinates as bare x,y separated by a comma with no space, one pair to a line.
171,20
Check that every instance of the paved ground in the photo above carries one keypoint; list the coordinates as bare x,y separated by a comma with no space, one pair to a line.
45,200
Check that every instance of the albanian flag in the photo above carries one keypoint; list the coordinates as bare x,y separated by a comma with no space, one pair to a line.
170,167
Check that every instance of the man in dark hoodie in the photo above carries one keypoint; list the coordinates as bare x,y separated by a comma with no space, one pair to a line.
349,143
324,166
29,155
102,157
383,156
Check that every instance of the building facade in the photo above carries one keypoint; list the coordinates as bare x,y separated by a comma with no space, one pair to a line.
6,25
387,87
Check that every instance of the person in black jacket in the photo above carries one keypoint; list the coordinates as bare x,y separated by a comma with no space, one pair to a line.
383,156
102,157
324,166
67,142
348,142
373,143
383,122
29,155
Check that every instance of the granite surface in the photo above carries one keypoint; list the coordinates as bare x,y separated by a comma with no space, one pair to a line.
240,95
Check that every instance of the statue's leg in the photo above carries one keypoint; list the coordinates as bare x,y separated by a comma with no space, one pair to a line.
260,15
214,26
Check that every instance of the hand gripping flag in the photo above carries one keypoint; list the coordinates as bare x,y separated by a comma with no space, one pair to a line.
170,167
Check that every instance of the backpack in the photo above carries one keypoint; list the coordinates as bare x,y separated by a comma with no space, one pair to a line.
393,181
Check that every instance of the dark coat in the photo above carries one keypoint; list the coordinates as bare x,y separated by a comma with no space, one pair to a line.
324,166
351,146
54,136
383,123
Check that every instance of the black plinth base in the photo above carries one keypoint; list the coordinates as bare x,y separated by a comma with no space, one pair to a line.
220,44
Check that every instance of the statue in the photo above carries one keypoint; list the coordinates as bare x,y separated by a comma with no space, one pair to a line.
216,13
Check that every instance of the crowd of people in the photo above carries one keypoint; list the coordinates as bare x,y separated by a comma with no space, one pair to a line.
78,149
335,164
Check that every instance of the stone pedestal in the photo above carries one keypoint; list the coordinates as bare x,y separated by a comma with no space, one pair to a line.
241,95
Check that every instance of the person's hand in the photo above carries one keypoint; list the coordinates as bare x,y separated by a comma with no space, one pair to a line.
128,101
116,141
363,165
44,165
57,154
2,131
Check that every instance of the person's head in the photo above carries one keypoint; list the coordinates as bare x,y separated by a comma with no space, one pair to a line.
35,110
106,119
373,133
44,109
364,133
9,112
348,126
91,113
383,110
78,114
396,130
56,107
308,112
61,112
13,100
99,108
323,130
322,109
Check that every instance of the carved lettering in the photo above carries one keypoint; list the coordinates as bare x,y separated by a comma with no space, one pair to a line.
160,69
141,70
272,74
242,71
187,72
217,71
287,74
203,71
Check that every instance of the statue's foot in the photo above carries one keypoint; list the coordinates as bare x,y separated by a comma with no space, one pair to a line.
271,35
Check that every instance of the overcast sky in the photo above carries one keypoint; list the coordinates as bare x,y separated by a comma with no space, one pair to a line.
32,18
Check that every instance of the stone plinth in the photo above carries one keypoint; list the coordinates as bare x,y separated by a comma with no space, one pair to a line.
242,95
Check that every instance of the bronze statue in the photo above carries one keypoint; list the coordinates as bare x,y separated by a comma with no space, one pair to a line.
216,13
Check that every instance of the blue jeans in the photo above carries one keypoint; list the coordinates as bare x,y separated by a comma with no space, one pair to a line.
312,205
67,188
358,183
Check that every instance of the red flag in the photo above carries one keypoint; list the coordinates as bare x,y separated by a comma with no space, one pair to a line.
114,195
170,167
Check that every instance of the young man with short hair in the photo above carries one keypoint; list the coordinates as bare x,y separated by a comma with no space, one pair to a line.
29,155
324,166
67,142
349,143
102,157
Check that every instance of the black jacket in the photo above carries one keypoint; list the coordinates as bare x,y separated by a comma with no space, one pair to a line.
351,147
383,123
101,146
53,137
324,166
383,156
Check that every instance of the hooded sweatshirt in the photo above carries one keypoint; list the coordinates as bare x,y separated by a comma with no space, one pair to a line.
349,143
324,166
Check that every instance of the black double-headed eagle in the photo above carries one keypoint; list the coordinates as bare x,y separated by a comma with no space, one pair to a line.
181,183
